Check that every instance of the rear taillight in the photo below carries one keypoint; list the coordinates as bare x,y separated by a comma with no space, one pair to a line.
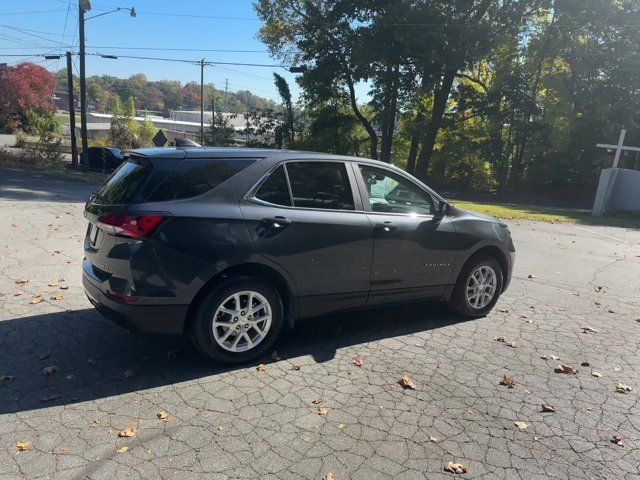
130,225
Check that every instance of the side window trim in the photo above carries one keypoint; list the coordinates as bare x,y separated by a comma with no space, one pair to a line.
365,195
286,176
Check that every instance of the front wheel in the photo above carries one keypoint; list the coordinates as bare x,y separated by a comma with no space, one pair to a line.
478,288
238,321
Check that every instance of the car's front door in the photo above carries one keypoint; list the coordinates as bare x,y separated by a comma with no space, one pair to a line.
413,255
305,218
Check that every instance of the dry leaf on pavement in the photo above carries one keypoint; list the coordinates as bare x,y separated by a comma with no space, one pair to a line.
596,374
127,432
53,283
521,425
589,330
357,362
566,370
433,439
261,367
508,382
322,411
328,476
548,408
64,287
499,339
22,446
406,382
50,370
162,415
617,440
294,367
22,281
511,344
56,297
123,449
35,300
316,401
622,388
453,467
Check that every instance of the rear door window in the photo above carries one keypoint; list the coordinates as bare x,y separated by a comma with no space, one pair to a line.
320,185
275,189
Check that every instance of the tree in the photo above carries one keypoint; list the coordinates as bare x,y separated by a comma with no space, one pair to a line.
221,133
124,129
25,87
288,125
146,132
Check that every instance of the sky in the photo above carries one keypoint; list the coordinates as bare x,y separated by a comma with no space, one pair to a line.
50,26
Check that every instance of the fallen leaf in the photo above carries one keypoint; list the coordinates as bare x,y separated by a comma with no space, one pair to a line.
56,297
433,439
596,374
127,432
406,382
508,382
622,388
50,370
49,398
531,275
566,370
129,373
521,425
357,362
548,408
53,283
64,287
294,367
499,339
123,449
611,311
554,357
503,310
617,440
316,401
7,378
220,428
322,411
456,468
261,367
341,426
585,364
18,293
511,344
22,446
598,288
22,281
162,415
35,300
328,476
590,329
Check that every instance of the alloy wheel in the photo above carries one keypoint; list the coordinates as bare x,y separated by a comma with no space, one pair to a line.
242,321
481,287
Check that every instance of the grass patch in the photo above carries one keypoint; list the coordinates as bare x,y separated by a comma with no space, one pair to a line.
513,211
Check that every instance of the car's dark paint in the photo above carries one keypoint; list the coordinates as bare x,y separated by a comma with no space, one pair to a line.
320,260
104,158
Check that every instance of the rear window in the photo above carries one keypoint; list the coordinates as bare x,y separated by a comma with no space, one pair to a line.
138,180
124,183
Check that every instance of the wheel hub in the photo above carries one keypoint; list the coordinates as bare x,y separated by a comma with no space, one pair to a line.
481,287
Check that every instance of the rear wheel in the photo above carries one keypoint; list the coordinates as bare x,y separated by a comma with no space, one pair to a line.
478,288
238,321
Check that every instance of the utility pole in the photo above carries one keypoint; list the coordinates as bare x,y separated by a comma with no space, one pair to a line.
202,102
83,85
72,113
226,93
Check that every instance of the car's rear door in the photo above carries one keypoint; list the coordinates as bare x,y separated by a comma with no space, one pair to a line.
413,253
305,217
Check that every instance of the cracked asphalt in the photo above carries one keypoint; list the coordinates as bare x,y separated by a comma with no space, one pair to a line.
244,423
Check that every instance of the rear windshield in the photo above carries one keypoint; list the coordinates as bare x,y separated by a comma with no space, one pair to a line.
138,180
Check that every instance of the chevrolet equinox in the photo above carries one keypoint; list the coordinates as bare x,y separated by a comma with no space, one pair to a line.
233,245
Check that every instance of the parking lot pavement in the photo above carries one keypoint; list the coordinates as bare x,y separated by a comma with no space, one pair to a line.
575,298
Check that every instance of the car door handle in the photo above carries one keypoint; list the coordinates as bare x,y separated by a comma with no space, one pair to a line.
277,222
385,227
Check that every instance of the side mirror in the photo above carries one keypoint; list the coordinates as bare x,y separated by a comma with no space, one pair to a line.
442,210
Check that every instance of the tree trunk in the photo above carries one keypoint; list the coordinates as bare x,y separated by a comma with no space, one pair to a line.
373,137
439,106
391,105
418,124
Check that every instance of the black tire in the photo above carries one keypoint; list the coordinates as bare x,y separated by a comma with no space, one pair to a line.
458,299
202,327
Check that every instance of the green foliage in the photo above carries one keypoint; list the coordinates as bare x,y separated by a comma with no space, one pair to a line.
146,132
221,132
124,129
332,129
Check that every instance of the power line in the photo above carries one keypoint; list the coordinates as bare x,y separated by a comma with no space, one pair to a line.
164,49
30,12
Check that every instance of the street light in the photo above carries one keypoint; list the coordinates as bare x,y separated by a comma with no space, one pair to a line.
85,6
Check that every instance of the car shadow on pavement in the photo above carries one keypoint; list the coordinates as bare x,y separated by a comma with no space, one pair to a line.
33,186
76,356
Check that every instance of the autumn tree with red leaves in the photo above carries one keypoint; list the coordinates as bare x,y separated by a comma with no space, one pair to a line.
25,87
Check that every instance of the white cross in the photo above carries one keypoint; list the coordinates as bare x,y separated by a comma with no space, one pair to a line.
618,148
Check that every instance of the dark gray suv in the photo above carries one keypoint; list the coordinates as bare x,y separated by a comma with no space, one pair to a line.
233,245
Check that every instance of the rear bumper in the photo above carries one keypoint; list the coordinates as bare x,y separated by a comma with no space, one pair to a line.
167,319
